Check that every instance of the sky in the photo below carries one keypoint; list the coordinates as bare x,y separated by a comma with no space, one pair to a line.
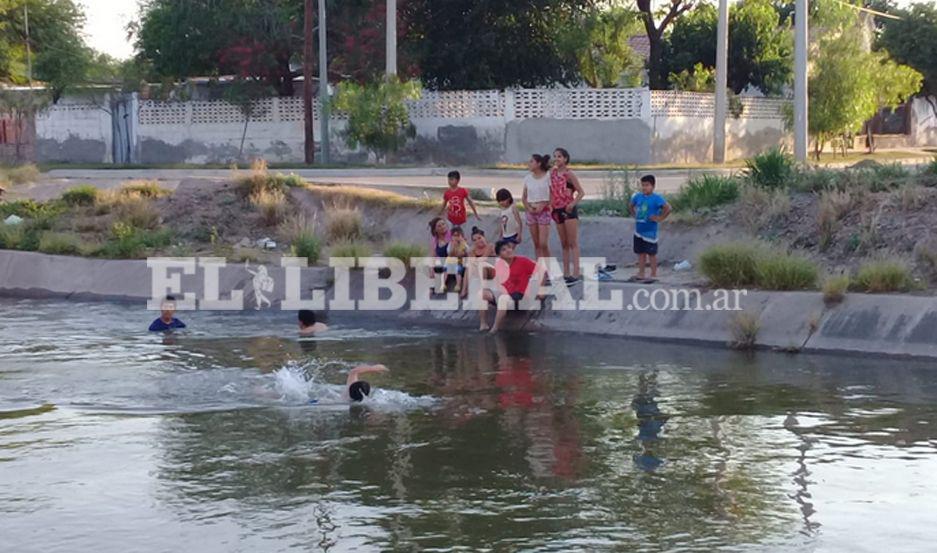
106,24
107,20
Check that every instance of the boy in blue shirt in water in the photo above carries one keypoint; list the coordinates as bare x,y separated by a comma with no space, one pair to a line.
648,209
167,320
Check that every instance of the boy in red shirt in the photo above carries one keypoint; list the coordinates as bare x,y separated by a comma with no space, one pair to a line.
520,273
453,201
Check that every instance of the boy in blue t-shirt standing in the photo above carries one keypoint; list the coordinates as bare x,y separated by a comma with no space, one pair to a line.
648,209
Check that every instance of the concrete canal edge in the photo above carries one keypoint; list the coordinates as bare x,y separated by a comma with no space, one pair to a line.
867,324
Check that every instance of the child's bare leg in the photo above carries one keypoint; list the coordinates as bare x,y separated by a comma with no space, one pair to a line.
653,266
642,260
482,313
504,303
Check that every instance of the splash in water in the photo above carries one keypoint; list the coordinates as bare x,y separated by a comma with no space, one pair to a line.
300,384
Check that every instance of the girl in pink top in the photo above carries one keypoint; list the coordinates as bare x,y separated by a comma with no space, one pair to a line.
565,195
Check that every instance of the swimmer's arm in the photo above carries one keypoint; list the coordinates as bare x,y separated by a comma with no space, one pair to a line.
363,369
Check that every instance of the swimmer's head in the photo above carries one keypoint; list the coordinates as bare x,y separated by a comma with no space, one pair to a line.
168,307
307,318
359,390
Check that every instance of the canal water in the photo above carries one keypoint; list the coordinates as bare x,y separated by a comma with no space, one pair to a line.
233,436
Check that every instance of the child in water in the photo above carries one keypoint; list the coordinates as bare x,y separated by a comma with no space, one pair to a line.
457,252
308,326
167,320
357,389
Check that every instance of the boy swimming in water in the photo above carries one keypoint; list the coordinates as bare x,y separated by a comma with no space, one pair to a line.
308,326
357,389
167,320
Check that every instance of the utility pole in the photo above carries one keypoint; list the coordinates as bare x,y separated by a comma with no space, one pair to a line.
29,54
801,136
391,69
722,48
323,87
309,148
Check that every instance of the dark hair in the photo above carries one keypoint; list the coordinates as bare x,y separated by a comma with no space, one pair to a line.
564,153
359,390
170,297
650,179
542,160
307,317
504,194
501,243
454,175
432,225
456,230
476,230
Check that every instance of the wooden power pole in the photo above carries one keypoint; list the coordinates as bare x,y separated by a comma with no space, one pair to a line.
308,59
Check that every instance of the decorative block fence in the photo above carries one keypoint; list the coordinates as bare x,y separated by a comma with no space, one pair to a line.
460,127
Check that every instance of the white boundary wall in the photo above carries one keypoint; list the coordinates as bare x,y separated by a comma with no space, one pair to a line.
612,125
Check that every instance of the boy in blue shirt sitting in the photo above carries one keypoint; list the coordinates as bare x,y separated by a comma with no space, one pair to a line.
648,209
167,320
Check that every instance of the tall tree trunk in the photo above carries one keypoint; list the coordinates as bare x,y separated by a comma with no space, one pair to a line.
656,79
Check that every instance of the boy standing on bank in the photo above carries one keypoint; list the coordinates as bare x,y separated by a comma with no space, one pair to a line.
648,209
454,199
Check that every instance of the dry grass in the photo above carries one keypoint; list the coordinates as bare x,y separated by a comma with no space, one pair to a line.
925,253
884,276
832,207
834,289
344,225
759,207
350,195
744,327
271,204
21,174
404,251
909,197
356,250
136,211
145,188
296,225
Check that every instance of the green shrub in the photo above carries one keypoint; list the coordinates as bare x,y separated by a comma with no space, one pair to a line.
706,191
834,289
288,181
10,236
145,188
350,249
884,276
404,251
129,242
61,243
306,244
731,265
891,175
83,194
783,271
31,209
377,114
815,180
771,169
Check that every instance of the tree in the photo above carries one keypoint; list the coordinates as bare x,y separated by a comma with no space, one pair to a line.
847,83
256,38
479,44
656,69
245,94
60,57
760,45
912,40
697,79
22,107
605,57
377,114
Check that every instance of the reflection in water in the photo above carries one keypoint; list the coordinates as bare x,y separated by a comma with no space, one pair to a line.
650,421
533,442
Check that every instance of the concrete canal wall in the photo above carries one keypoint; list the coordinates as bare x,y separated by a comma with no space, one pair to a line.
865,324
